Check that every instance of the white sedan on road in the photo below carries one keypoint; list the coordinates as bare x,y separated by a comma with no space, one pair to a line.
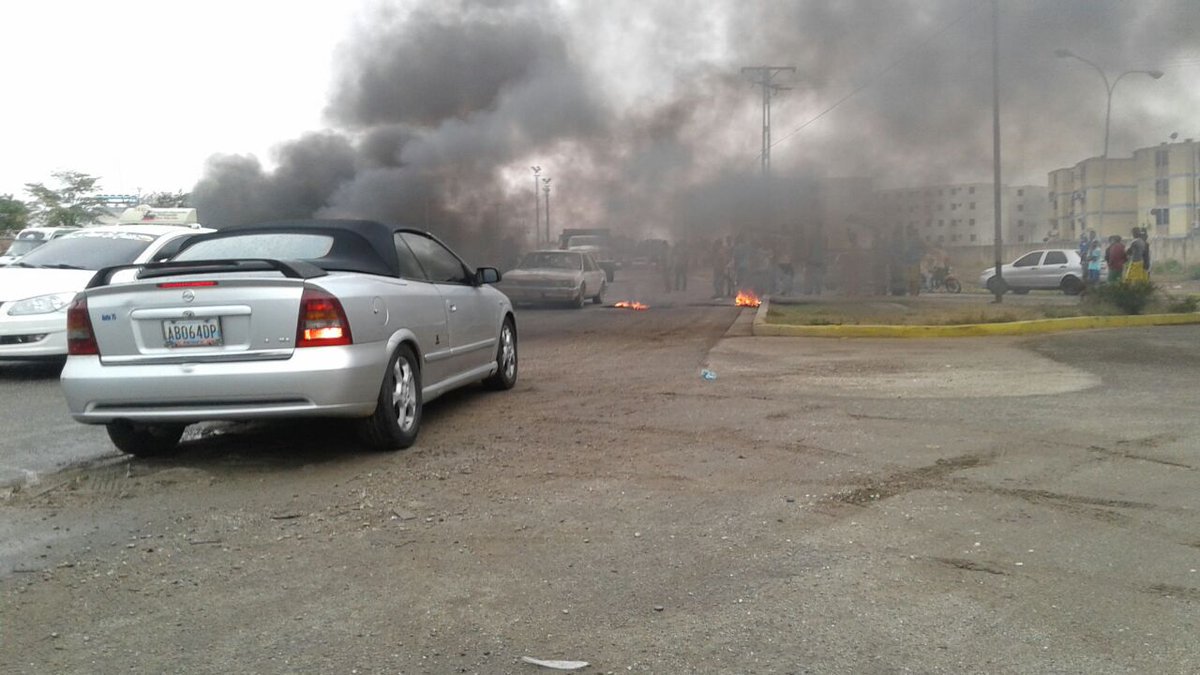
555,276
36,290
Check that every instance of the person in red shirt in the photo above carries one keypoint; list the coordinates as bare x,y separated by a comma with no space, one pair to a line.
1114,255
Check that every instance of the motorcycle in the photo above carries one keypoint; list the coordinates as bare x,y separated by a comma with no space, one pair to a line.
942,278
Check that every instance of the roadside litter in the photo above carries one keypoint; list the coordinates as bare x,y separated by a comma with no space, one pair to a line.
556,665
708,374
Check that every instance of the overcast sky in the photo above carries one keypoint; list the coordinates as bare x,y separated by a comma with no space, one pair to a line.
141,92
385,108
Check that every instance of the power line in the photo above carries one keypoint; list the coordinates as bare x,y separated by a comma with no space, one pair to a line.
877,76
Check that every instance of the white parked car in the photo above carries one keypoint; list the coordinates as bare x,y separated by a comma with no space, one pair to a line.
36,290
31,238
555,276
1047,269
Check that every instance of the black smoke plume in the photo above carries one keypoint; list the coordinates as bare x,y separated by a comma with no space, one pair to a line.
639,113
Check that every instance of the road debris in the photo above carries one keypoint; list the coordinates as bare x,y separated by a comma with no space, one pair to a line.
556,665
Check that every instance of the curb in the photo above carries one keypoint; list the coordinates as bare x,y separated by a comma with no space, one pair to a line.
763,329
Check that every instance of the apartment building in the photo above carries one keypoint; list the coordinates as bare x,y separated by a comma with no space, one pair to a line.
964,214
1158,188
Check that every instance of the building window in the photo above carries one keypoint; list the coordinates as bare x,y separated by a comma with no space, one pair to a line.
940,206
972,237
1020,237
1162,187
1020,192
953,207
1020,207
1162,217
972,206
1161,158
941,223
971,190
972,222
1020,223
940,238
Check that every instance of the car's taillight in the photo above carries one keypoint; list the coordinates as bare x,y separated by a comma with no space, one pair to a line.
322,321
81,340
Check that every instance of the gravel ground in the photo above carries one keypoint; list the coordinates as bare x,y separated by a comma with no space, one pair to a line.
988,505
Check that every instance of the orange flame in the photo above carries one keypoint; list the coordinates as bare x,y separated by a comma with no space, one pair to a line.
747,299
630,305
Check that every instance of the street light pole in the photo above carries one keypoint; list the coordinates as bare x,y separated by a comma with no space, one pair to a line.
537,209
546,189
1108,88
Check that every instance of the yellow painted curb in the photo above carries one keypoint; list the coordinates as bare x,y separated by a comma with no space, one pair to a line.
762,328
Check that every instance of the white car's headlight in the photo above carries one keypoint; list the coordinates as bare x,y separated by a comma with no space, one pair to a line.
42,304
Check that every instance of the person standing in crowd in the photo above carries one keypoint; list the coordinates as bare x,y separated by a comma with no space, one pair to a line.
742,253
1146,252
785,268
1085,248
679,267
668,265
1093,264
719,261
1114,255
1135,254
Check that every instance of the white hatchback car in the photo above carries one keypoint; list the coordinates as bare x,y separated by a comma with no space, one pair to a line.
36,290
1048,269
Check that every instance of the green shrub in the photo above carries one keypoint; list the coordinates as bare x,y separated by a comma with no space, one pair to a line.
1169,266
1193,273
1185,304
1129,298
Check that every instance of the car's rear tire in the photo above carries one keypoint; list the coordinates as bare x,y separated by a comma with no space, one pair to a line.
145,440
599,297
953,286
397,417
506,359
1072,285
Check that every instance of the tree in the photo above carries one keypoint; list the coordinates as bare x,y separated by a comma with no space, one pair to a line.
14,213
166,200
74,203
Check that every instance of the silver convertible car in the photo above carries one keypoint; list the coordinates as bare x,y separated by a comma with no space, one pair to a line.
555,276
319,318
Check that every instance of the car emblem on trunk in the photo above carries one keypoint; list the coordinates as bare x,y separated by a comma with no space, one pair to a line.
189,295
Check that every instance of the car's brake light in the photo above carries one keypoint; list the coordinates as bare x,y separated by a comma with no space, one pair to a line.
186,284
322,322
81,340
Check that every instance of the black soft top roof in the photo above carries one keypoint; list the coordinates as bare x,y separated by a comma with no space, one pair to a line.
358,245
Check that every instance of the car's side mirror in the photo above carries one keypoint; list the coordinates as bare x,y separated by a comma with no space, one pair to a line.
487,275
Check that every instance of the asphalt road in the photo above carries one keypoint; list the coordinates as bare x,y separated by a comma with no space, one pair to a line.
871,506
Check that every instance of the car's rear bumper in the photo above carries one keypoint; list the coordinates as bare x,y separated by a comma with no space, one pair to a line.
528,294
314,382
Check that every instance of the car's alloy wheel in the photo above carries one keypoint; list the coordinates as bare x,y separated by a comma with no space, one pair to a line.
397,417
145,440
506,359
